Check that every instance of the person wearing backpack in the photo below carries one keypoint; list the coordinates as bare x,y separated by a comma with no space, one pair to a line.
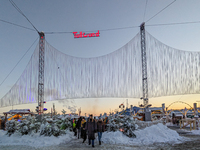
74,126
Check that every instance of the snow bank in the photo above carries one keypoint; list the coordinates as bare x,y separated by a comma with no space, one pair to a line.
197,132
153,134
149,135
34,140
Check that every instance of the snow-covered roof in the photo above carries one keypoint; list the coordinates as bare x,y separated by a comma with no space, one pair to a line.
155,108
19,111
179,115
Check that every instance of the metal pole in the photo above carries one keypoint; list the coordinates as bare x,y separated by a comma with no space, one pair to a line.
41,73
144,73
126,103
144,65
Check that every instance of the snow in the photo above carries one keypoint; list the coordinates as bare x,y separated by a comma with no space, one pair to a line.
153,134
15,111
34,140
149,135
197,132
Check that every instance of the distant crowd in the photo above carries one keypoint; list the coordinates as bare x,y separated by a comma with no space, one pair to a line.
84,128
87,128
2,123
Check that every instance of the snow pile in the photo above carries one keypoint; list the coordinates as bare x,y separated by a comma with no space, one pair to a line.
197,132
157,133
34,140
154,134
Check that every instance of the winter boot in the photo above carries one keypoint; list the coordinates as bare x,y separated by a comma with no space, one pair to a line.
99,142
92,145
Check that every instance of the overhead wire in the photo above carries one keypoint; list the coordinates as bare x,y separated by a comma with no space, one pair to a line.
18,62
164,24
16,25
19,10
160,11
66,32
176,23
110,29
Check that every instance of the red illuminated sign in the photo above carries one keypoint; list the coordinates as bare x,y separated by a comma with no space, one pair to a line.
83,35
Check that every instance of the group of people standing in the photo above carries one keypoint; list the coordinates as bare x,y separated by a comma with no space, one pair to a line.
87,128
2,125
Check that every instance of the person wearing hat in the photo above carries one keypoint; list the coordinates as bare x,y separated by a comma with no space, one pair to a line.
78,126
100,129
83,132
74,126
106,122
91,128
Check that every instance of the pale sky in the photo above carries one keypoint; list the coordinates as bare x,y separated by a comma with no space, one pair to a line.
90,15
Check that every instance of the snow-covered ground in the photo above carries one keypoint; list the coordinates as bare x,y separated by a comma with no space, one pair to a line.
34,140
196,132
154,134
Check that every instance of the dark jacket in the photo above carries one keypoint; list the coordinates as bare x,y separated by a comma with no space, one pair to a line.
78,125
83,131
100,126
3,124
83,123
91,128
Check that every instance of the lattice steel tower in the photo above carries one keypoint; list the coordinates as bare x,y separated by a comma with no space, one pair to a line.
144,74
144,65
41,73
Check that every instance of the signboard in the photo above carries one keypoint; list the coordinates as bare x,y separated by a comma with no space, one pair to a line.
84,35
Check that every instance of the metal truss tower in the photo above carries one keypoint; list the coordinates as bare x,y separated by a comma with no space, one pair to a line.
144,74
144,65
41,73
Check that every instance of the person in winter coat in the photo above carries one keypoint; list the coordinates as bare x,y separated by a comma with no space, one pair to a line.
78,126
83,131
91,128
106,122
74,126
100,129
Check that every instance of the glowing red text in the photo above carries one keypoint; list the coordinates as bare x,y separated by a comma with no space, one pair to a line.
83,35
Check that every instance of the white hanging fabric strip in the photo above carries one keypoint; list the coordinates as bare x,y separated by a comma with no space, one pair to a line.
171,71
118,74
